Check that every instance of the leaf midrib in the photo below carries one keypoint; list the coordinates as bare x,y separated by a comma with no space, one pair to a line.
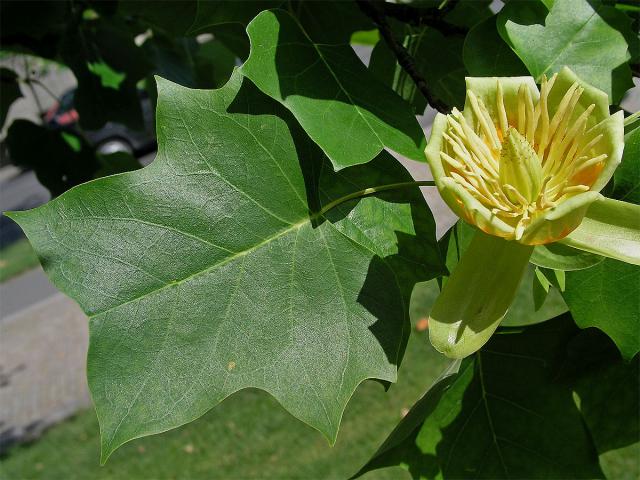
292,227
570,42
221,263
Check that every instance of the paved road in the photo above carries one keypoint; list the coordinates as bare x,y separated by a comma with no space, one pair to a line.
21,191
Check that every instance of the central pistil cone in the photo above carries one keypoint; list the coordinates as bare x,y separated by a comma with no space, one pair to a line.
521,164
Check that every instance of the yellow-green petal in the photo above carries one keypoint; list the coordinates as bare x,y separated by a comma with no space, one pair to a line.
591,95
612,144
610,228
477,295
559,221
611,126
485,88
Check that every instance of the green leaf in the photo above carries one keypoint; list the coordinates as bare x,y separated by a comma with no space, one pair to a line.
437,58
577,34
611,392
117,162
468,13
477,295
610,228
173,17
58,166
608,389
234,37
339,103
109,78
503,415
172,58
541,287
365,37
561,257
627,176
485,54
214,64
606,297
220,266
331,21
10,92
210,14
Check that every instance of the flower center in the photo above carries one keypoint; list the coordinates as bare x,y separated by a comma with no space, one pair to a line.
522,162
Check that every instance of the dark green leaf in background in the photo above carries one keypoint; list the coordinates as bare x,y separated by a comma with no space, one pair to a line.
234,37
502,416
214,64
607,296
209,14
216,268
486,54
579,34
10,92
342,106
190,63
173,17
117,162
608,389
108,42
58,166
330,21
468,13
627,176
172,58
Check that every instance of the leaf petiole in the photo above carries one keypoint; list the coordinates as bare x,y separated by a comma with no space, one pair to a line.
372,190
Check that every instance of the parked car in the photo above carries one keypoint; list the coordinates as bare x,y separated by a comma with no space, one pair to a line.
112,137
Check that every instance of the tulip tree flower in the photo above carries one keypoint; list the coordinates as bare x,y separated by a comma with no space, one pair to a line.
524,166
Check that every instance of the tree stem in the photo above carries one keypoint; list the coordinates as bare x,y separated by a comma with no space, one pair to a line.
405,60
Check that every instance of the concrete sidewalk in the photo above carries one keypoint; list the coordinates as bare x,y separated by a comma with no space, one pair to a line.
42,367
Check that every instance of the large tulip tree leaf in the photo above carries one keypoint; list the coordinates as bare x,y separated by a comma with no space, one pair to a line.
347,111
224,265
606,296
503,415
580,34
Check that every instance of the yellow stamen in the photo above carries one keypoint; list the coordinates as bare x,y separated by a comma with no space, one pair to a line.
519,170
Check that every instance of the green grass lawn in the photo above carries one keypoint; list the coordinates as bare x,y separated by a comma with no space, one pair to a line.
16,258
250,436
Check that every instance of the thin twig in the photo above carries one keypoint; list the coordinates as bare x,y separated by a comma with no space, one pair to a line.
405,60
41,84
